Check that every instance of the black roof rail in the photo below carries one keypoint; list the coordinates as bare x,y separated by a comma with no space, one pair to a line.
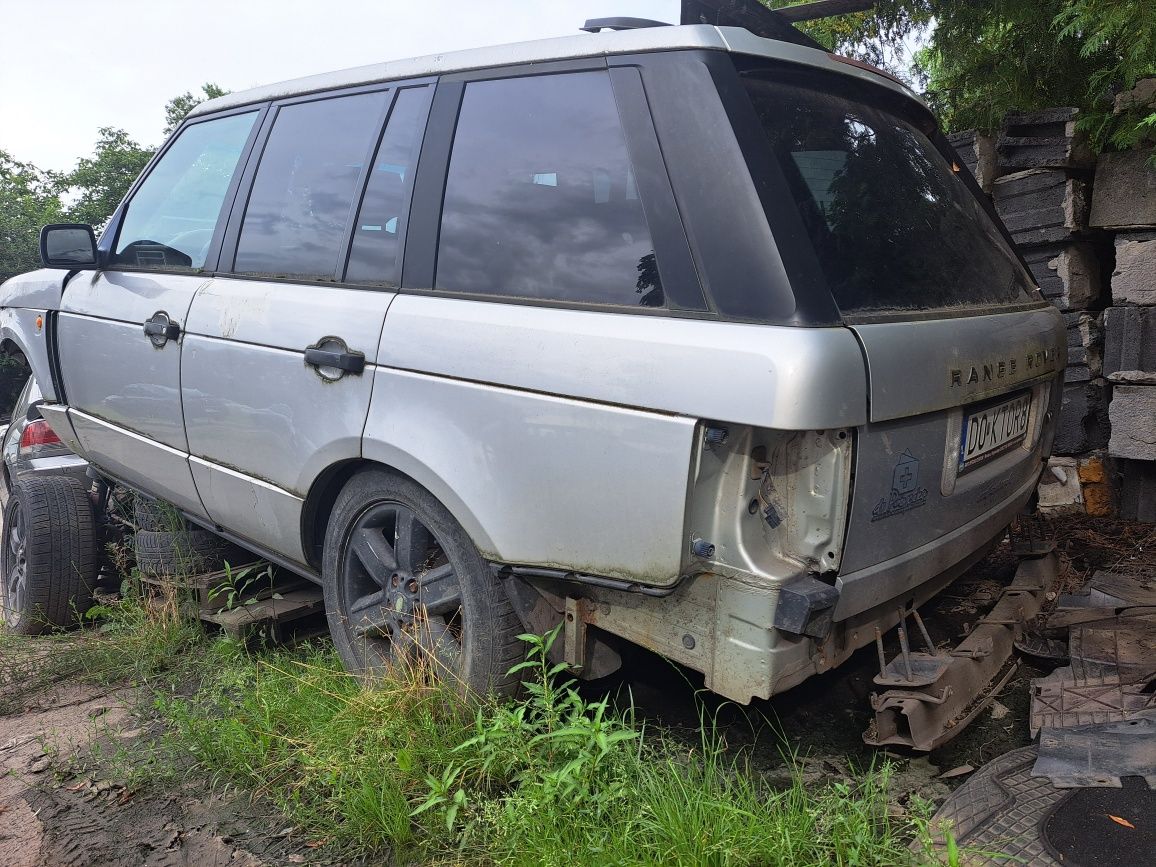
593,25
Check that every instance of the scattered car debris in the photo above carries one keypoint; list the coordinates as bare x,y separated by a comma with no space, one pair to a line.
934,694
1101,754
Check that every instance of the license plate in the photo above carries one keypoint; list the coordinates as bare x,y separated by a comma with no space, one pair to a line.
993,430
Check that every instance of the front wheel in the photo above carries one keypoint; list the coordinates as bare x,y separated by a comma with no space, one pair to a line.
406,587
49,561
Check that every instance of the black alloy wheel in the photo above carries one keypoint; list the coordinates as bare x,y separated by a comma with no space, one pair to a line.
406,588
401,593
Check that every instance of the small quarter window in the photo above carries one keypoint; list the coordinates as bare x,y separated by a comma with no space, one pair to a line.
375,257
305,187
170,221
541,200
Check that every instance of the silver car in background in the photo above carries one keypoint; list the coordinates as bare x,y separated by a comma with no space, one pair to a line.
29,445
680,335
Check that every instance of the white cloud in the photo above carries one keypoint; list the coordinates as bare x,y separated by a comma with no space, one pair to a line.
69,67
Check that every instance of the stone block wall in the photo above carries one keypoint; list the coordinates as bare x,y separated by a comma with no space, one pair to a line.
1086,228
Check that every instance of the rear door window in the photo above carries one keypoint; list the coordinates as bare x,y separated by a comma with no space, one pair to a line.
541,200
169,222
304,190
892,226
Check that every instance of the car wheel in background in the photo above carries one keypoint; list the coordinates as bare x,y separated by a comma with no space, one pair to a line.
48,563
186,553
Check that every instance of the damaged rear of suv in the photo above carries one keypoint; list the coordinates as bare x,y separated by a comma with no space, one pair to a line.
681,336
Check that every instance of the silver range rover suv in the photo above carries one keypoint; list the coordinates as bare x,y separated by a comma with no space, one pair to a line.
675,335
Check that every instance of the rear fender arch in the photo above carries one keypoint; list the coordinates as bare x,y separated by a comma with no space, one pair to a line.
327,487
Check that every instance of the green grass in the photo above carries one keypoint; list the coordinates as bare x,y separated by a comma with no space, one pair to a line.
408,770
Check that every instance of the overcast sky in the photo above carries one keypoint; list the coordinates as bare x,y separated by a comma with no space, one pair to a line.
68,67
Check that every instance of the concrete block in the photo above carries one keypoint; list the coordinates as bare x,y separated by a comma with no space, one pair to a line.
1124,193
977,151
1085,347
1041,206
1134,280
1129,343
1133,417
1043,139
1059,486
1137,490
1083,422
1068,274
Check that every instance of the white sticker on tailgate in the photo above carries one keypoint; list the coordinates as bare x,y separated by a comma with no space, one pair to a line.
992,430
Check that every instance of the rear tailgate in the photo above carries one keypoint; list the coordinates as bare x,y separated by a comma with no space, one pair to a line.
960,417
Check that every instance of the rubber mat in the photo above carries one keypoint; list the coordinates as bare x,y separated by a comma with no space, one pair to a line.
1104,827
1004,812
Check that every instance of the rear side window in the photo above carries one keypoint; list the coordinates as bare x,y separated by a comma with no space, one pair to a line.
541,200
891,224
170,221
305,186
375,257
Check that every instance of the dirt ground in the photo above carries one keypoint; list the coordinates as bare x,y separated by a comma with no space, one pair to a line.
58,806
56,809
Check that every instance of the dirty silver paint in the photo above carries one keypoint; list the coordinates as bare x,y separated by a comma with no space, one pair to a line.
766,376
541,480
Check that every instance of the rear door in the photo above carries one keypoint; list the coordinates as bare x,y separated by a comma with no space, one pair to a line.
963,355
119,330
279,354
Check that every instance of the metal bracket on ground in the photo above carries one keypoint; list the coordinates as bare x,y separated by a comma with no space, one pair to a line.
936,694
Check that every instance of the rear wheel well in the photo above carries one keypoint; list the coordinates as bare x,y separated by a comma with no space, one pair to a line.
14,372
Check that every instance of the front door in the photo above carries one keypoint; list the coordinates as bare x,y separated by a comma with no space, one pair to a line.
120,330
279,356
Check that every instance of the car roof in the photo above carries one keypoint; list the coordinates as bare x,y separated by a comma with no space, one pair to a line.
583,45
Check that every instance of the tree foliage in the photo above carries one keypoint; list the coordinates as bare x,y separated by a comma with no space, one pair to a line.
29,198
879,36
101,180
89,193
983,58
178,108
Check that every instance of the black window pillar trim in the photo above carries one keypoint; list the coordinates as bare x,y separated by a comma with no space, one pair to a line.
676,267
228,248
419,257
362,183
814,304
407,192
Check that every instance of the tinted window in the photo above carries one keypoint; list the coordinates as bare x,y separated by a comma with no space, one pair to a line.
170,221
305,186
893,227
375,257
540,200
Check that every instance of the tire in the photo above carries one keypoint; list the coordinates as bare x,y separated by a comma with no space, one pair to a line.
186,553
438,607
48,561
156,516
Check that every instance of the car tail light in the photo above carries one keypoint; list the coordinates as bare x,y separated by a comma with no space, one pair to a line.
38,433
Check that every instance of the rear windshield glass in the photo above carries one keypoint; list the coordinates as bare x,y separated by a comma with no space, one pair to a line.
892,226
